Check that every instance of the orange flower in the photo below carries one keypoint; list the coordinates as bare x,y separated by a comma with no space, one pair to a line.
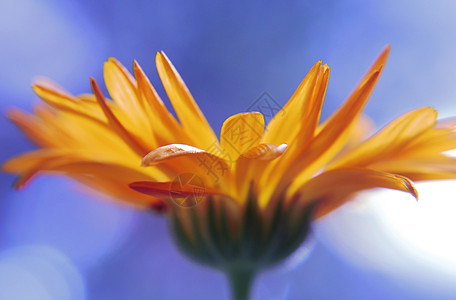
248,197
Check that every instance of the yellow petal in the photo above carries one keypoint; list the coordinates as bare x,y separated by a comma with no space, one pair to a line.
435,140
165,126
331,139
22,163
265,152
122,88
33,128
84,106
173,151
57,97
312,110
188,159
287,120
389,140
252,163
69,162
240,133
435,165
301,164
134,142
332,188
353,101
188,112
77,133
172,189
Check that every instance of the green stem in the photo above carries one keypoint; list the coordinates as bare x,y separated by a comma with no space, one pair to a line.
241,283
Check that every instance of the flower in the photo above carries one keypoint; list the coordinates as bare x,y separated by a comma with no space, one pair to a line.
245,201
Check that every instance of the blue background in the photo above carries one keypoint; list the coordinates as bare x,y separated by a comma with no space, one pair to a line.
56,243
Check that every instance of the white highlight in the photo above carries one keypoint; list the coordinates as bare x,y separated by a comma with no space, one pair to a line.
412,242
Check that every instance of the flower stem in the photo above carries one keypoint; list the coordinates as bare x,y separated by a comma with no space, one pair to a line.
241,283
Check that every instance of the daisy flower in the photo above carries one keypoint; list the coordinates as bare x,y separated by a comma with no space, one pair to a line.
241,202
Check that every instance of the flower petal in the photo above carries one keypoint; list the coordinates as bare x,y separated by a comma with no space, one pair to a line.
435,140
358,99
70,163
252,163
33,127
176,150
165,126
190,116
293,113
331,189
265,152
301,164
188,159
57,97
133,141
172,189
436,166
389,140
241,132
312,110
312,157
122,87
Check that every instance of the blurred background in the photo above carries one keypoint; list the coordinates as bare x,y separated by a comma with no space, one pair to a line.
57,243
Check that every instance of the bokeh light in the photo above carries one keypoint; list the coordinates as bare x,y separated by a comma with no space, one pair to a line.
41,273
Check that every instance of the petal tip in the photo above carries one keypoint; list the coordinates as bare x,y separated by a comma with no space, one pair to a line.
410,186
111,60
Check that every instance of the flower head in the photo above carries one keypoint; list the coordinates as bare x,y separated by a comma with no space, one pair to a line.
241,202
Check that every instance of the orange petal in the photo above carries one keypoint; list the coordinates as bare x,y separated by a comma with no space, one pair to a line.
251,164
134,142
433,141
23,162
72,161
301,164
172,189
287,120
313,109
188,159
57,97
166,127
190,116
33,127
380,61
353,102
241,132
265,152
330,140
176,150
389,140
425,164
122,87
335,186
